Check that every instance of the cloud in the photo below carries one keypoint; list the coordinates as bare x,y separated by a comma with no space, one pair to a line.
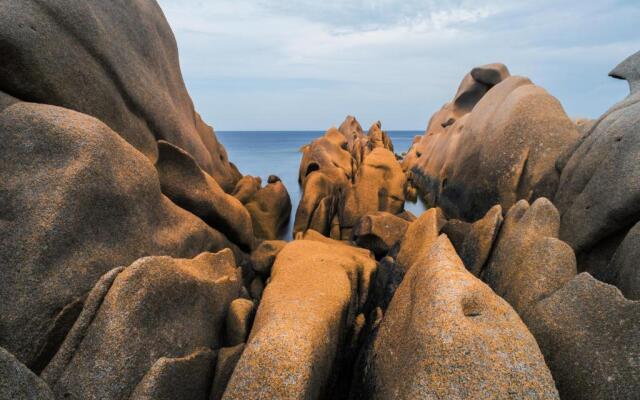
301,64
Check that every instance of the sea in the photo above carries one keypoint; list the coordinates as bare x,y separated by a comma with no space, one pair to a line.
264,153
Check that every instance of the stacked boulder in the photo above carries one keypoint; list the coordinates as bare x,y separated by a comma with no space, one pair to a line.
345,175
496,142
104,161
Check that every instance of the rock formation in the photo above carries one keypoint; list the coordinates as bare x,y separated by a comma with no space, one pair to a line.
447,335
316,291
496,143
137,262
343,181
597,195
157,307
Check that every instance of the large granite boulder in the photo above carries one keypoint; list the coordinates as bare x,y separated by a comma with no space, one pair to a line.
77,200
329,154
446,335
158,307
503,150
379,186
474,241
419,236
294,349
318,206
191,188
270,210
623,270
590,336
379,232
117,62
599,187
17,382
178,378
528,262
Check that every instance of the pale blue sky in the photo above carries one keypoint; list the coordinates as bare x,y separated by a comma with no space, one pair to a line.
304,65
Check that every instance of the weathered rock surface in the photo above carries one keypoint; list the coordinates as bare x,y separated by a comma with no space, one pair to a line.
316,291
502,150
157,307
379,186
116,63
270,209
188,186
419,237
246,188
239,318
623,270
528,262
345,175
77,201
380,232
475,241
178,378
227,360
599,187
264,255
17,382
589,334
447,335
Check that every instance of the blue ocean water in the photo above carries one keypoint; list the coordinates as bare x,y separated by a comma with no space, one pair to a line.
267,153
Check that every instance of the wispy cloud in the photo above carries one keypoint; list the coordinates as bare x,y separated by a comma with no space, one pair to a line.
302,64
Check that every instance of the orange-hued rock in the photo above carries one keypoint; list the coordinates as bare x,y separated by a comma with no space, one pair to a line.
264,255
379,232
116,63
446,335
420,235
328,154
598,192
246,188
590,336
188,186
376,137
77,200
528,262
270,209
319,203
315,293
158,307
499,151
379,186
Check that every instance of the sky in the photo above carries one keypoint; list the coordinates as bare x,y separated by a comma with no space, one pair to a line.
305,65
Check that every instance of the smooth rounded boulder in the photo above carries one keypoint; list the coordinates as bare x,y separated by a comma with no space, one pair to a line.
528,262
157,307
590,336
77,200
293,351
446,335
182,180
598,192
115,62
503,150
